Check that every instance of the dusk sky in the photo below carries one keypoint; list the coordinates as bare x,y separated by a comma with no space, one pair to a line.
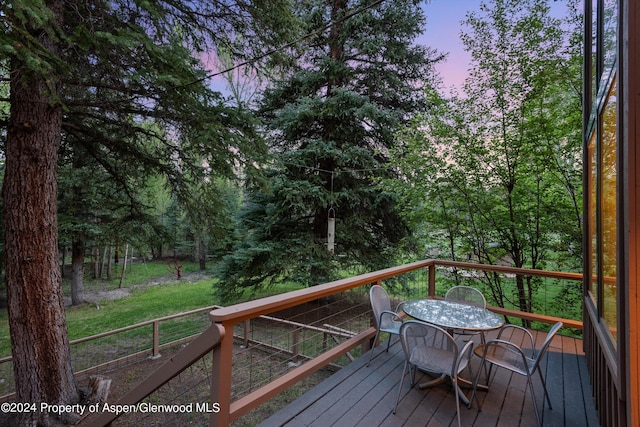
443,33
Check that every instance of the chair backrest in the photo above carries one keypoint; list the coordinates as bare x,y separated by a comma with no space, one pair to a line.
380,302
545,345
429,347
467,295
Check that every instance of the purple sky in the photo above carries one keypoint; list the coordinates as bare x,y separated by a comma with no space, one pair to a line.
443,27
443,33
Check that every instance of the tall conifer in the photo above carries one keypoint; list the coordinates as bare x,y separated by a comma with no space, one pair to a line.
330,122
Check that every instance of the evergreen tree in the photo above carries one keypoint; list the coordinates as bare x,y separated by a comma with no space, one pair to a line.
330,124
92,74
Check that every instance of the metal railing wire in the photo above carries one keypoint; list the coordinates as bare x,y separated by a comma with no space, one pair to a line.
280,340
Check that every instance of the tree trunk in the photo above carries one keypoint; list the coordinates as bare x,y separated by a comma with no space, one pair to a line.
105,255
77,270
37,324
124,266
109,264
202,256
97,267
64,260
116,256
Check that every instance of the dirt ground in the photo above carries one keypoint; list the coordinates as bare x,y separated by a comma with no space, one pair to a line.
125,378
94,296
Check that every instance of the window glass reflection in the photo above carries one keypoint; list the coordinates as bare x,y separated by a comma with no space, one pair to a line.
595,78
608,209
593,230
610,25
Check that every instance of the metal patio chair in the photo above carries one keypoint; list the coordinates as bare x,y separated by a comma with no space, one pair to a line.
506,354
467,295
386,320
430,348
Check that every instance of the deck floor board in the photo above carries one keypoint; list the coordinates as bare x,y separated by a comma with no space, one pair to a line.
364,396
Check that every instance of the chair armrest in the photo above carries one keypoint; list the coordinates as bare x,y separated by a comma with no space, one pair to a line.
512,326
505,363
465,353
521,329
393,315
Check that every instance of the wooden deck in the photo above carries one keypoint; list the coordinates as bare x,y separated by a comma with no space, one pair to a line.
365,396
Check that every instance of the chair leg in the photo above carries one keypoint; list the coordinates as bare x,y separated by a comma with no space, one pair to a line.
456,390
544,387
474,393
533,398
373,347
389,342
471,376
404,371
488,373
412,375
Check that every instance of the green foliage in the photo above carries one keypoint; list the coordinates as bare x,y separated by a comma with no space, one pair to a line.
137,106
146,304
330,123
496,175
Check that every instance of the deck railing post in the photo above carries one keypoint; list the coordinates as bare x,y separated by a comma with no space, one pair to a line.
432,280
221,379
245,337
156,339
296,340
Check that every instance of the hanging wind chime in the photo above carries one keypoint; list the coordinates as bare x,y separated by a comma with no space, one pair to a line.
331,230
331,224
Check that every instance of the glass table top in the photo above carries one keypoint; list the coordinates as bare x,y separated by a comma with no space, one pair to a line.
452,315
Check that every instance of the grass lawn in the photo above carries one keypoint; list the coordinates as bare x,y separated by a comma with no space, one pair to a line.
143,304
147,300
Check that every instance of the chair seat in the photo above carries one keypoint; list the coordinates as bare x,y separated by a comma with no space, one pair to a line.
392,328
435,360
506,358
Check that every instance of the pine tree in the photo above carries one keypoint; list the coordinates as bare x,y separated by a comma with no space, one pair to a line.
92,73
330,123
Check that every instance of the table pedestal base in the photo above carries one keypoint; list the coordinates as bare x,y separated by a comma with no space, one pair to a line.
462,382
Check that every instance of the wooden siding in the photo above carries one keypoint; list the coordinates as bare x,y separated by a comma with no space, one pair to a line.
365,396
603,374
630,60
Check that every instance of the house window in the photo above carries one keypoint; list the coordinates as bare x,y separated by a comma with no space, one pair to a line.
592,161
608,210
601,160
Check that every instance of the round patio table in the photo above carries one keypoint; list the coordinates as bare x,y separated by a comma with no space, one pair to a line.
452,315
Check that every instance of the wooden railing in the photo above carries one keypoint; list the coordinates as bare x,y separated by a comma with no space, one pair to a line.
229,316
568,323
153,337
151,351
207,341
220,337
